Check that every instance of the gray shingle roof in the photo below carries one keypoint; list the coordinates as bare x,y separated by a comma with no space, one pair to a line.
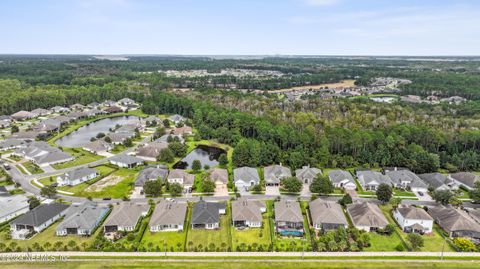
40,214
451,219
188,179
412,212
327,212
366,214
126,159
337,176
435,180
10,204
288,211
247,210
246,174
126,214
169,213
368,177
307,172
78,173
466,178
274,173
219,174
152,150
150,173
85,216
206,212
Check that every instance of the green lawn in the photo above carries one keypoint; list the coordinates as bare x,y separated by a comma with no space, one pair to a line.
32,168
173,241
253,237
212,239
81,157
48,235
119,190
397,192
103,170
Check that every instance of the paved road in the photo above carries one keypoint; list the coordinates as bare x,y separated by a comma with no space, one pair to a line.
250,254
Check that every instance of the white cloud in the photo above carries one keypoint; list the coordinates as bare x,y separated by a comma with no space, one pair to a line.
321,2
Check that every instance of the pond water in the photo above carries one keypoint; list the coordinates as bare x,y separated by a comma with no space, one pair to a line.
205,154
83,134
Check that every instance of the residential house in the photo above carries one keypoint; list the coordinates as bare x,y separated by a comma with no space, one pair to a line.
465,179
47,126
438,181
42,154
288,218
248,213
157,172
108,103
275,173
125,217
119,138
113,109
370,180
40,112
170,137
77,115
22,115
126,161
93,105
184,130
5,124
27,135
406,179
77,176
62,119
181,177
206,215
177,118
153,121
327,215
37,220
12,206
12,143
99,147
220,177
366,216
456,222
60,109
307,174
77,107
413,219
342,179
126,102
151,151
93,112
82,219
168,216
245,177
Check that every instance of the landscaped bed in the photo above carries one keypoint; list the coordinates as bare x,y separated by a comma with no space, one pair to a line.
32,168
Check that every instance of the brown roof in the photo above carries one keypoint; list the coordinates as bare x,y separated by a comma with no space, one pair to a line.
220,175
327,212
366,214
466,178
411,212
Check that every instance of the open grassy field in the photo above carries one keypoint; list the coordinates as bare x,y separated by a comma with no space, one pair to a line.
234,264
211,239
81,157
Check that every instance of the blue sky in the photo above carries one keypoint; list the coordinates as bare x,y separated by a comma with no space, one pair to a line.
308,27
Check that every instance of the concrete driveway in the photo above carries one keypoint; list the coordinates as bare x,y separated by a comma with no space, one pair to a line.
424,197
305,190
221,190
272,190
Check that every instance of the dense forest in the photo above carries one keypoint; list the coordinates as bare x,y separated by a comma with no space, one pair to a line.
265,129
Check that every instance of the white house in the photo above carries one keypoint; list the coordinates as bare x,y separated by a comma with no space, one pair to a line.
413,219
77,176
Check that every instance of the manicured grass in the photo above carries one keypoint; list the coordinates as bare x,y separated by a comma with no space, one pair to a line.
397,192
253,237
32,168
48,235
435,241
173,241
380,242
225,263
81,157
20,168
119,190
201,238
